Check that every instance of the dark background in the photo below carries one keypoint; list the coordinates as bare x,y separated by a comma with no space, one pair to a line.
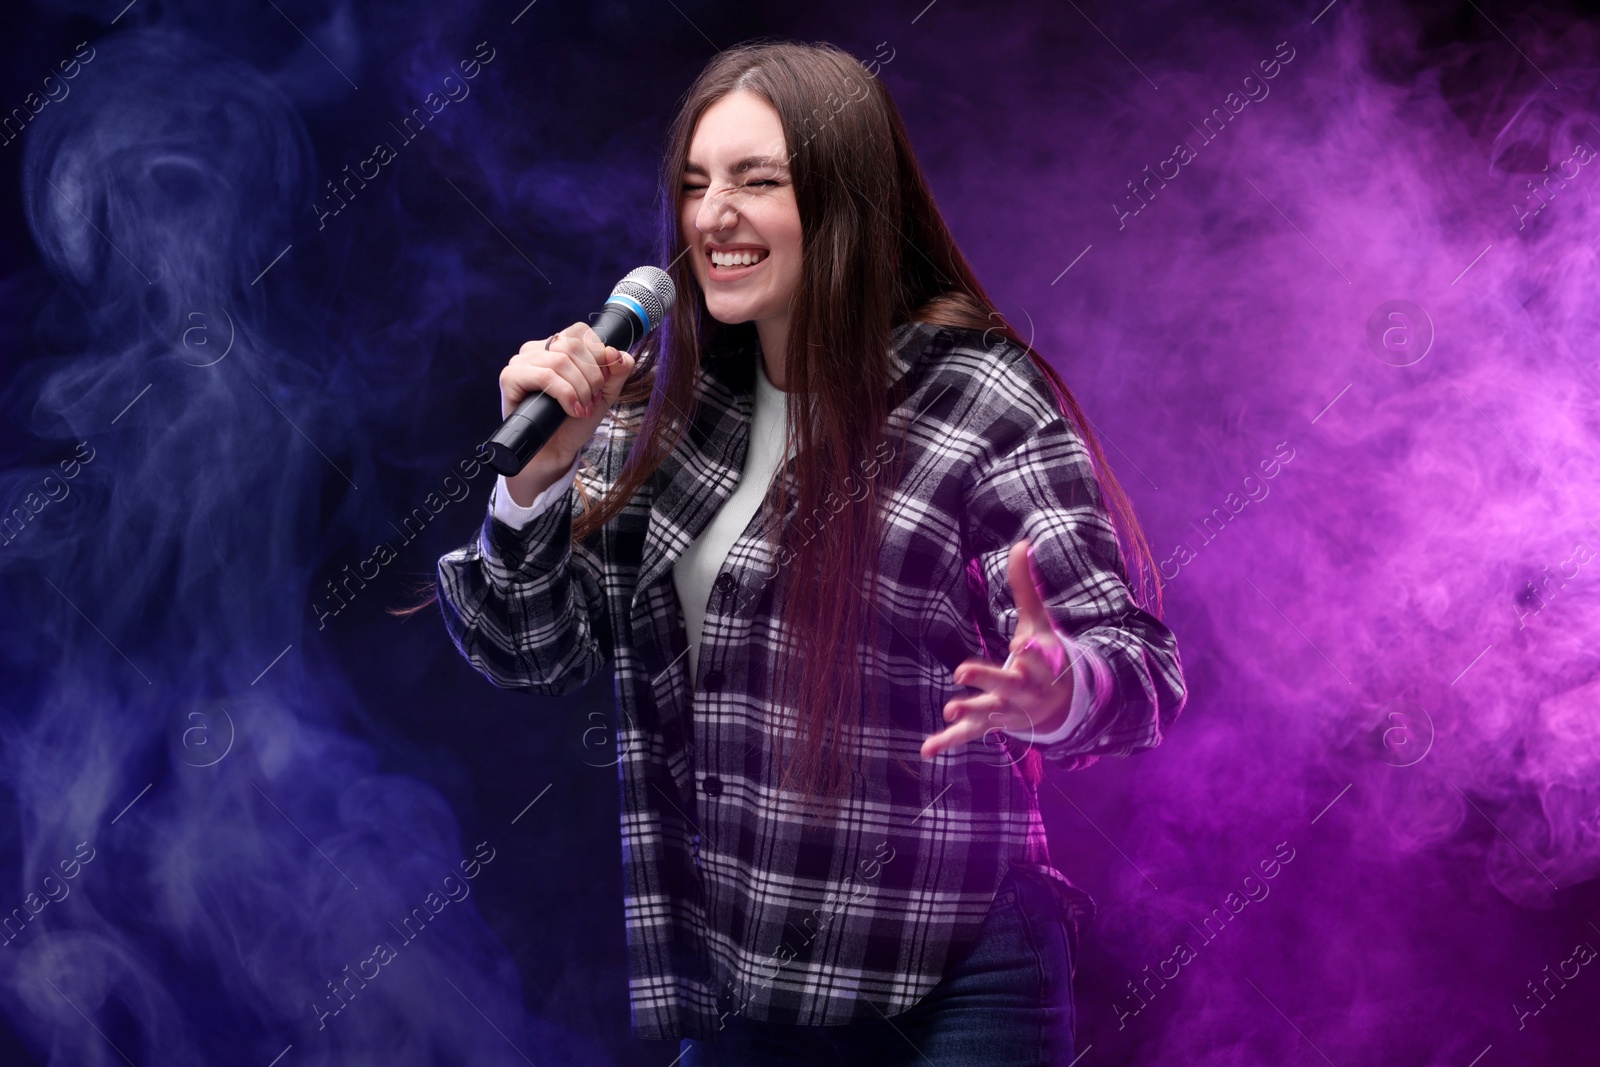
1384,676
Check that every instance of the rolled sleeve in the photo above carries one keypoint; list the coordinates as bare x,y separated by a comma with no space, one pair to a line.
514,515
521,606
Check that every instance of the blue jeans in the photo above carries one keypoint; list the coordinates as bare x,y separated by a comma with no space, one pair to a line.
1005,1001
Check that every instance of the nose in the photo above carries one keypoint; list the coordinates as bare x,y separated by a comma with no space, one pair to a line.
717,211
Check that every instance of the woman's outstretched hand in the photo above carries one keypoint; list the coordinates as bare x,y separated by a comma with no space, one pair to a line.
1031,691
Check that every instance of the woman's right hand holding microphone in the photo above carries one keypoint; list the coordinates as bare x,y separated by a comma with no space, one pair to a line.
585,377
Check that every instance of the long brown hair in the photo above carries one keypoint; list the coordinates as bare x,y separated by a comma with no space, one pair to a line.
875,253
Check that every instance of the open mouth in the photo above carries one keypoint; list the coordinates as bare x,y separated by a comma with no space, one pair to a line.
737,263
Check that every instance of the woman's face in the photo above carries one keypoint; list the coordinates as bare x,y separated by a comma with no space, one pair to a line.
739,204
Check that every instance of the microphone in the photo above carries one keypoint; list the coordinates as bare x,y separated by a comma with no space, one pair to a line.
636,306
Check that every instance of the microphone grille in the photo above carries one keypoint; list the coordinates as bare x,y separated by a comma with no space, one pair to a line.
652,287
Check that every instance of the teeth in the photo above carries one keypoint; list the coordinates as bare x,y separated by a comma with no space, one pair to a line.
737,259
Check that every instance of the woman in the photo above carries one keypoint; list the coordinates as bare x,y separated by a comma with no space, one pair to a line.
826,497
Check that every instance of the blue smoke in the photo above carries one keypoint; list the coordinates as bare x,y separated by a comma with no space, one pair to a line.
246,852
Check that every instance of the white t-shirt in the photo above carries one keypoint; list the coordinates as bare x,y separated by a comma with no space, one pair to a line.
700,563
697,568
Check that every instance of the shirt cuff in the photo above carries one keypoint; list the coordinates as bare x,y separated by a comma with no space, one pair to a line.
514,515
1083,673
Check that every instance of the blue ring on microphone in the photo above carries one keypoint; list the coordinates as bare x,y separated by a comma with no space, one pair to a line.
632,305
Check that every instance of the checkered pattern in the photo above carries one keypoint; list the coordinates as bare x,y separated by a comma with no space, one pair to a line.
735,901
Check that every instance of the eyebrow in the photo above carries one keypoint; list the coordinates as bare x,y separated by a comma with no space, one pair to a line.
746,164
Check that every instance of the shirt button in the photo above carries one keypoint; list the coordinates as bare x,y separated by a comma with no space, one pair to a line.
713,680
712,785
725,583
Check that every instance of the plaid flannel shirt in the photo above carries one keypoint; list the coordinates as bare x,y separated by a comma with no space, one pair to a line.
734,900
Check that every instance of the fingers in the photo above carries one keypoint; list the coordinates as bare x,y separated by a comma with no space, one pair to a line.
581,365
586,346
1020,694
971,718
1040,660
965,731
519,381
604,366
983,704
1003,682
617,372
1031,612
996,711
583,374
1029,672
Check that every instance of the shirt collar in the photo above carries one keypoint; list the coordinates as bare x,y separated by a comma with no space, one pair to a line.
731,355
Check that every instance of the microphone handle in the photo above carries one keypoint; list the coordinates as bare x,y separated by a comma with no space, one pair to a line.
539,415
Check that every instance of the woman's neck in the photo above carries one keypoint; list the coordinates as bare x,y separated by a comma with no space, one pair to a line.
774,339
